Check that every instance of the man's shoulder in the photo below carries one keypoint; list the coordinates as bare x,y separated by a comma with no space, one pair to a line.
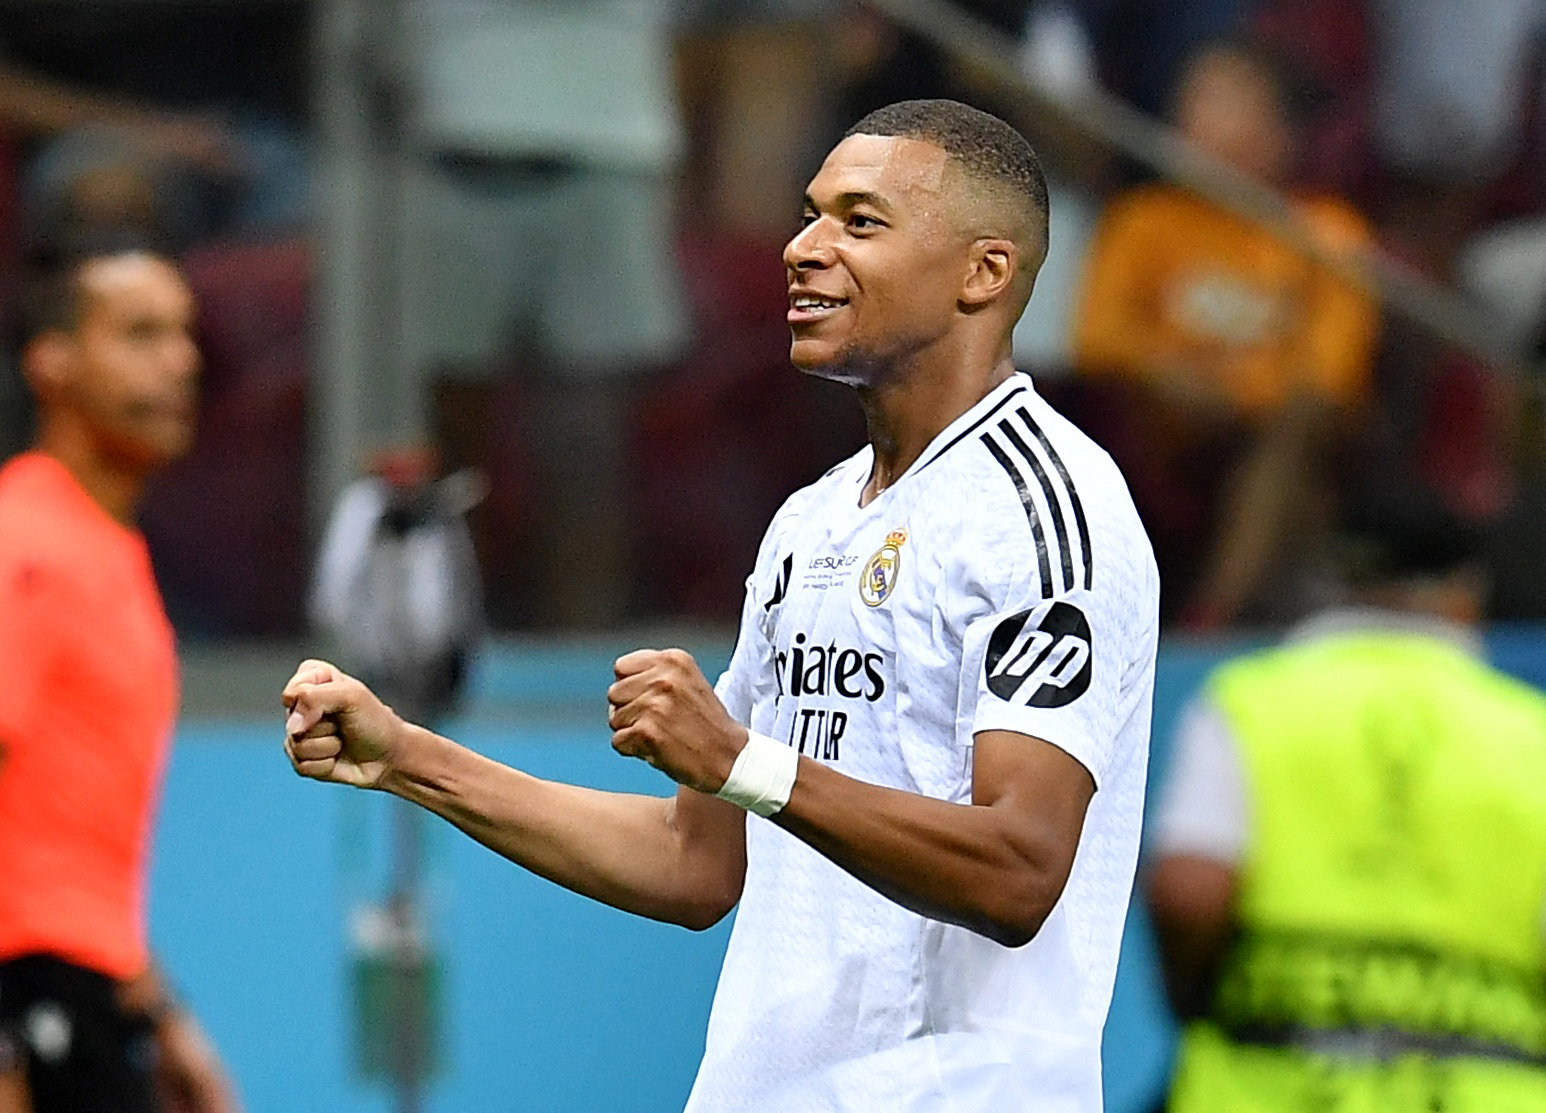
40,526
1028,473
27,517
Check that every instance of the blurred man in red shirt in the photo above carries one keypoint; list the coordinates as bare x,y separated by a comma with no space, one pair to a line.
87,709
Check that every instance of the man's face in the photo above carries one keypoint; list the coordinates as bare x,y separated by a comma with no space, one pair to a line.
130,366
875,272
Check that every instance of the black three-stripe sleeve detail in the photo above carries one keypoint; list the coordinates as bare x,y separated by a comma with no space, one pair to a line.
1053,508
1032,515
1080,524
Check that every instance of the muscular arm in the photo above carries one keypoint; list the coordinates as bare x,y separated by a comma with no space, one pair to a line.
680,859
996,866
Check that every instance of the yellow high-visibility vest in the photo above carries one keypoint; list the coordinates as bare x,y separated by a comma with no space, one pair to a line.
1391,955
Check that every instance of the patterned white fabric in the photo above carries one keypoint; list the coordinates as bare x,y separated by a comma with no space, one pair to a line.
1003,583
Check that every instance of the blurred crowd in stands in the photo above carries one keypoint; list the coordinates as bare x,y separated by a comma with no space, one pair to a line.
594,299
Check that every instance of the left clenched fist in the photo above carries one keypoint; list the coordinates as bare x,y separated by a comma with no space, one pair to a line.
664,711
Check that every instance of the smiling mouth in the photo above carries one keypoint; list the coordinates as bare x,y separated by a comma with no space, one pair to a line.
804,308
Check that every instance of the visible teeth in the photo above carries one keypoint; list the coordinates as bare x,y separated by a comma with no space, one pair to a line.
804,302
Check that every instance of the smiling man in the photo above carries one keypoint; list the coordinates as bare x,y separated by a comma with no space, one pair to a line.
937,712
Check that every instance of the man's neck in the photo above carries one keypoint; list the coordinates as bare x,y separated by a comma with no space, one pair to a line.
906,414
114,488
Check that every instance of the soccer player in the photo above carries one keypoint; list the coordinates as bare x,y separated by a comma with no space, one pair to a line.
937,709
89,696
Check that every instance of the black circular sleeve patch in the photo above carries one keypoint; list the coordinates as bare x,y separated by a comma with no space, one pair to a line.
1041,657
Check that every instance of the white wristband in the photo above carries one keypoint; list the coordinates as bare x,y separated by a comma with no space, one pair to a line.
762,777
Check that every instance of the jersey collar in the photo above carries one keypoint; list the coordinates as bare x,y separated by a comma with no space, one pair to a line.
1016,386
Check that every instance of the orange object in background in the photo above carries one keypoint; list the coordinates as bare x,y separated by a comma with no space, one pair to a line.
1174,283
86,713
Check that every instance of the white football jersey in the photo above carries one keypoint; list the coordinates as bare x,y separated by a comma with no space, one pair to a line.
1004,582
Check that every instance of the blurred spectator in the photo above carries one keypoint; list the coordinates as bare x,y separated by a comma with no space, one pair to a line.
538,235
1218,361
885,64
396,583
1451,87
1349,854
87,711
769,85
1328,42
34,109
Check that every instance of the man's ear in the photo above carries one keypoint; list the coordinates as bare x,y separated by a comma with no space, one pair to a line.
993,266
46,362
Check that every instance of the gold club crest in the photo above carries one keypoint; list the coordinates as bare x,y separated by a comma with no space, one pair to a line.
881,570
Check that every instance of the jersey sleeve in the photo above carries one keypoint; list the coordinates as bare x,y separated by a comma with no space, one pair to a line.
1054,646
736,686
1047,668
750,668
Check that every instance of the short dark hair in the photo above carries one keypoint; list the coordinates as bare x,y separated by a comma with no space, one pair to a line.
984,146
50,296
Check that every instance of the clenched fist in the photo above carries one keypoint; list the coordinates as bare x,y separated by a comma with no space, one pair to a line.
337,729
664,712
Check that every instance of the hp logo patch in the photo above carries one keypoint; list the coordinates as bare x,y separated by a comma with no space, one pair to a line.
1040,657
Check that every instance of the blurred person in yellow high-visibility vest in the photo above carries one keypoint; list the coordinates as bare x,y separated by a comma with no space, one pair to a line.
1348,864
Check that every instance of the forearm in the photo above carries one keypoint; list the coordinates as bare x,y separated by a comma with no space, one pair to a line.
981,867
652,856
187,1066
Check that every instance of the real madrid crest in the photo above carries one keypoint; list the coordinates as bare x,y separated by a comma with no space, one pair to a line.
881,570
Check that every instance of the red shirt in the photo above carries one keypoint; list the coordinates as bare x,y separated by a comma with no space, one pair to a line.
87,704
